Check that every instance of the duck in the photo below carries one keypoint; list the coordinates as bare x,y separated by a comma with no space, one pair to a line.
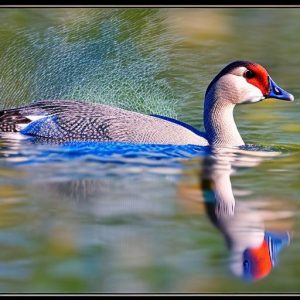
239,82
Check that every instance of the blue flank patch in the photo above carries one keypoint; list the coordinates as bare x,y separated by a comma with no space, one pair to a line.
44,127
187,126
35,127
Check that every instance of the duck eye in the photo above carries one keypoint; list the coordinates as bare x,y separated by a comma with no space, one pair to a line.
249,74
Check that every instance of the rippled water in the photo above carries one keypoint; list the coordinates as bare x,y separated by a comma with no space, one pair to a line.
114,218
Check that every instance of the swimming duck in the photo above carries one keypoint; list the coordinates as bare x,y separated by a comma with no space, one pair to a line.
66,120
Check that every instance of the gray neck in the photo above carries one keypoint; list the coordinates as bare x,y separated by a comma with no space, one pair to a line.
219,123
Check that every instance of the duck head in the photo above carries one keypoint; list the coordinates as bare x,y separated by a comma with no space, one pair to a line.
238,83
245,82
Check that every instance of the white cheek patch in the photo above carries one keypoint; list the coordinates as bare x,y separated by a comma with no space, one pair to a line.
254,99
248,92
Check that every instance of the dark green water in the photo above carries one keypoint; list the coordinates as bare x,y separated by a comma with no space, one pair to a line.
130,224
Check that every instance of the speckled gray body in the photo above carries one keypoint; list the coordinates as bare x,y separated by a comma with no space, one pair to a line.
68,120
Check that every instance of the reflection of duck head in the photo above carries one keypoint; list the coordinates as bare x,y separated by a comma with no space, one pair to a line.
253,250
258,261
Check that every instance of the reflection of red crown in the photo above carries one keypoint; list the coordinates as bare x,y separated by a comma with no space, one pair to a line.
261,263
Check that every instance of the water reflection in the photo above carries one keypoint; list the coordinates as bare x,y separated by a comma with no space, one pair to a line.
253,248
108,191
